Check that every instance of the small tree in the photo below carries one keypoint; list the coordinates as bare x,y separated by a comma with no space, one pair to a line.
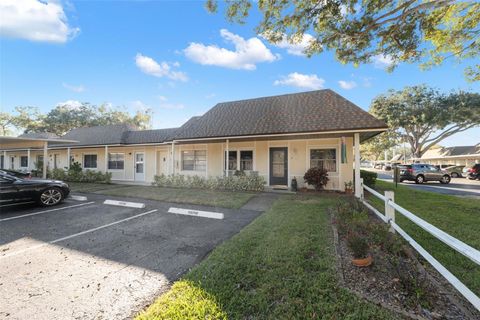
317,177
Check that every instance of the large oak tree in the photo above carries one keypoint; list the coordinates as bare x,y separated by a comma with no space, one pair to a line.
423,116
65,117
426,31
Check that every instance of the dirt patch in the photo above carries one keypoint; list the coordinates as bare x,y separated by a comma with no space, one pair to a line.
399,282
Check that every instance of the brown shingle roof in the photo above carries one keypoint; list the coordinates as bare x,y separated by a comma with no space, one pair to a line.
149,136
314,111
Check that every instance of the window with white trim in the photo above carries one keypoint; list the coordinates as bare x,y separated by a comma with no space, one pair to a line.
116,161
324,158
24,161
240,160
194,160
90,161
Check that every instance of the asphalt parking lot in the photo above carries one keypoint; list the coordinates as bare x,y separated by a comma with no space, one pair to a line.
88,260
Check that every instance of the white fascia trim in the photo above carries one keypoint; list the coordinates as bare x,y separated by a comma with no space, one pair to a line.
282,134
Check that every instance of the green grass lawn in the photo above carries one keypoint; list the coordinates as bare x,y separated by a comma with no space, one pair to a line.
460,217
281,266
214,198
92,187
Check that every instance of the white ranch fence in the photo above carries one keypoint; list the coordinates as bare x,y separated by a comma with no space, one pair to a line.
459,246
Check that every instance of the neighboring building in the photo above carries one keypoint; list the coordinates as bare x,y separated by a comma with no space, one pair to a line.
279,137
460,155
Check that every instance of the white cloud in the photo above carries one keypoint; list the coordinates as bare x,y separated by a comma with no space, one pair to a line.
382,61
296,47
162,69
210,95
138,105
164,104
306,81
71,104
79,88
347,85
36,21
246,55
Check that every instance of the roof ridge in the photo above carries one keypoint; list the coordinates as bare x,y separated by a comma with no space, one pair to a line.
276,96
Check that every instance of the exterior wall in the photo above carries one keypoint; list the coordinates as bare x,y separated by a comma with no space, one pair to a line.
298,158
158,159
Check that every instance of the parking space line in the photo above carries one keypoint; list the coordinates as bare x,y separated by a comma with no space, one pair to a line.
15,204
77,234
45,211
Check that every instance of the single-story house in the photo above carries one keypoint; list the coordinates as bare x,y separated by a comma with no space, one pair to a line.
455,156
279,137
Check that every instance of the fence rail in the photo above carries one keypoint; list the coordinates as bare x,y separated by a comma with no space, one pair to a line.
459,246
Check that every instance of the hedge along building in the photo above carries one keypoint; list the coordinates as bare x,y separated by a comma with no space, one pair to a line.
279,137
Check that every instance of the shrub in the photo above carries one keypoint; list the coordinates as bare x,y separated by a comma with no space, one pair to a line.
369,178
358,245
252,182
317,177
58,174
75,175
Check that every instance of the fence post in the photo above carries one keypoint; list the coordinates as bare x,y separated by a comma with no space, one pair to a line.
389,210
361,189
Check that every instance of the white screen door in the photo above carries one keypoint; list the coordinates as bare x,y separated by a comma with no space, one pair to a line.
139,166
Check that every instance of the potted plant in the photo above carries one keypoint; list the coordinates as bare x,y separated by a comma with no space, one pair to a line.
349,187
317,177
360,248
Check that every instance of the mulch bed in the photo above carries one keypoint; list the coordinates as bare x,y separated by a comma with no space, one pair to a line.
395,284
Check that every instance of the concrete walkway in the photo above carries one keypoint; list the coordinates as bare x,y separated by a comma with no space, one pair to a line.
261,202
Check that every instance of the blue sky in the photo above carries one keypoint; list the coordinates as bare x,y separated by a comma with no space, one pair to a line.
177,59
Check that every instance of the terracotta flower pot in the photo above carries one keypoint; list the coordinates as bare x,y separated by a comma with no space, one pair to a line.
365,262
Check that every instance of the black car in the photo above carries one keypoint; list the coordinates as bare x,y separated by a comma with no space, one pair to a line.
18,174
420,173
44,192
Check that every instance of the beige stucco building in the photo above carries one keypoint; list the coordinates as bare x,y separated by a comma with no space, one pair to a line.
278,138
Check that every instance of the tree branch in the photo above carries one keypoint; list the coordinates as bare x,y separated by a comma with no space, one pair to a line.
445,136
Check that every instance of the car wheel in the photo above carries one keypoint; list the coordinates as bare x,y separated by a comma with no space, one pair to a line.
401,180
50,197
455,175
420,179
445,179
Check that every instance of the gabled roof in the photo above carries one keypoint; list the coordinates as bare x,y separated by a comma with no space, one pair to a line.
314,111
39,135
452,151
149,136
121,134
99,135
306,112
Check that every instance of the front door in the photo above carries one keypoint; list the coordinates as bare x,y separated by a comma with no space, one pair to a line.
279,166
162,162
139,166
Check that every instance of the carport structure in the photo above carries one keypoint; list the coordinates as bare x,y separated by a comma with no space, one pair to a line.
8,144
